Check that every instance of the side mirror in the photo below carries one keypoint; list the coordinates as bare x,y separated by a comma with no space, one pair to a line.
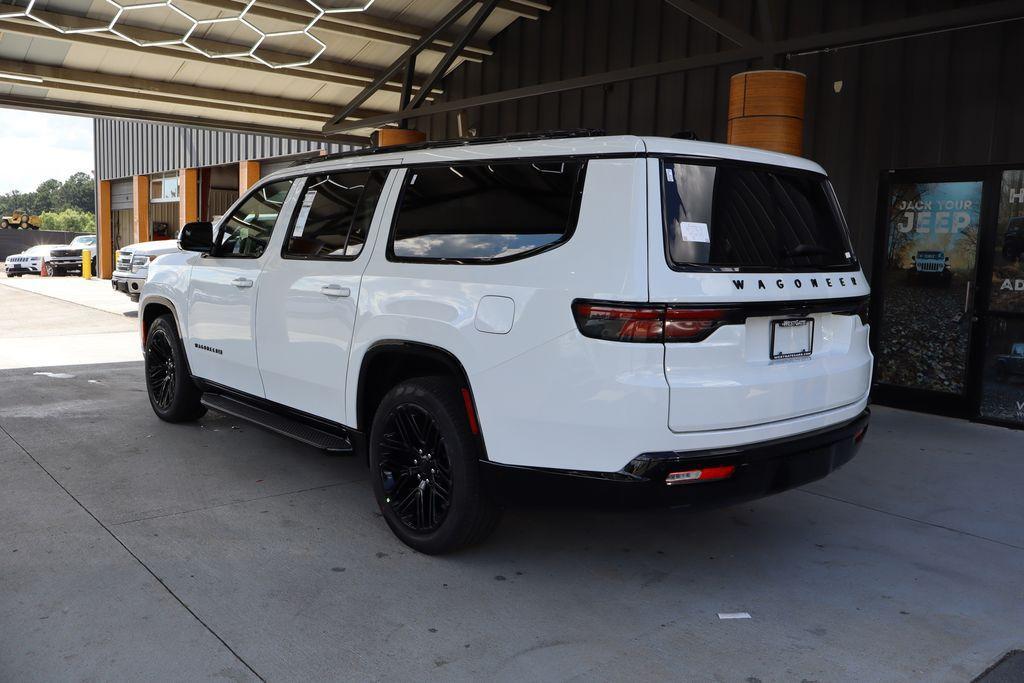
197,236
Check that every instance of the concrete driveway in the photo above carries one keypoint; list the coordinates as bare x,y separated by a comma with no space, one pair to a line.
131,549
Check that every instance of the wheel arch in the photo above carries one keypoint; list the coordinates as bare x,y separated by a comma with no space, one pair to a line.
153,308
388,362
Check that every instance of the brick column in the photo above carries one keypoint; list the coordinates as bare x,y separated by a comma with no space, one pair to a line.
140,209
248,174
188,196
104,232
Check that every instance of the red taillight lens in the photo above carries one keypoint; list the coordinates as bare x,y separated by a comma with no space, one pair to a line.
864,312
704,474
692,324
619,322
646,323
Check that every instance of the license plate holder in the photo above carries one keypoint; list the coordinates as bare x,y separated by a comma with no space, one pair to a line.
792,338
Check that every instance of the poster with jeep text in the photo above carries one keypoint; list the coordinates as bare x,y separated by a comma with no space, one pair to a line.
1008,265
1002,389
931,251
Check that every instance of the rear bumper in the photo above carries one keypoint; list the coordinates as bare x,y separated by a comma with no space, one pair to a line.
762,469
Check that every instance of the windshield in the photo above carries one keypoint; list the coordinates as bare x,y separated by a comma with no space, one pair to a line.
83,241
731,216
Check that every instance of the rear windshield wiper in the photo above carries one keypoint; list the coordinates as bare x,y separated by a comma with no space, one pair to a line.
807,250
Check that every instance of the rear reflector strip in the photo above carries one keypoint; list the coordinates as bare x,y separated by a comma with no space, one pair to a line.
705,474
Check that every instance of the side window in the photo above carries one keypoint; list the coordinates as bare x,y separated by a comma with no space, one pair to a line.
334,215
486,213
246,233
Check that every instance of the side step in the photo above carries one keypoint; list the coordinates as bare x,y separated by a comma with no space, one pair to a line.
286,426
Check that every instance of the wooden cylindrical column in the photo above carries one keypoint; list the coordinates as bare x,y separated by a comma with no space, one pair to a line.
388,137
766,110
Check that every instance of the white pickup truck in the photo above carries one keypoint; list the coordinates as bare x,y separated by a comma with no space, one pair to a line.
131,265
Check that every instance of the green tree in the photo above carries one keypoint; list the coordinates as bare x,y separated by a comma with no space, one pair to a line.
69,220
79,192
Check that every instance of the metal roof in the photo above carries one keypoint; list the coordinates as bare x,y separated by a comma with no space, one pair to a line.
282,67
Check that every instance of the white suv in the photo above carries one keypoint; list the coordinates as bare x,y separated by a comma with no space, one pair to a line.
131,265
631,319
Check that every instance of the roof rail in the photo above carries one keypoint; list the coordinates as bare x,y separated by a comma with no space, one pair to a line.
461,142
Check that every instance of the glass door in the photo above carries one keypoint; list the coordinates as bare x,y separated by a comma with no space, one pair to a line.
924,292
1001,395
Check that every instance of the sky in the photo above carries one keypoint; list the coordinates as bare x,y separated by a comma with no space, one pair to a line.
35,147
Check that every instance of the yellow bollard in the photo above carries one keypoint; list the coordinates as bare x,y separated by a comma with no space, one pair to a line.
86,264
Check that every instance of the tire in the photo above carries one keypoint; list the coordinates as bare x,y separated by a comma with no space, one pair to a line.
4,224
421,427
172,393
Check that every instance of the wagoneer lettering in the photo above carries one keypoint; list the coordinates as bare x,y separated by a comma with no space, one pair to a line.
551,318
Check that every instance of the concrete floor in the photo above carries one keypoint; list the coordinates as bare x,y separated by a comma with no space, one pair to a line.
132,549
58,321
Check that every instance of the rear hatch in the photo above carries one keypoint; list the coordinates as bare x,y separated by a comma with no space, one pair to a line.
754,265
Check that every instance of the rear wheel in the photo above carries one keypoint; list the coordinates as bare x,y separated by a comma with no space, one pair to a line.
172,393
424,465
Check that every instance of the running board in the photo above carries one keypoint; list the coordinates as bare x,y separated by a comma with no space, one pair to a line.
286,426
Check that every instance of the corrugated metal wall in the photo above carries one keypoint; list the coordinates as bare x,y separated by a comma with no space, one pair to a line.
125,148
946,99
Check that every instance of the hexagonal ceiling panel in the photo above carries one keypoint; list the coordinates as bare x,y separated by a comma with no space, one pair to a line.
281,51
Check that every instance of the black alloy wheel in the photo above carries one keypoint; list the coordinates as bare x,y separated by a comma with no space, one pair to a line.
414,468
425,467
160,370
172,393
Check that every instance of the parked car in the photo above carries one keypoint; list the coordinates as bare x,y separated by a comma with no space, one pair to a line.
30,261
1013,240
68,259
1011,363
131,265
931,266
555,318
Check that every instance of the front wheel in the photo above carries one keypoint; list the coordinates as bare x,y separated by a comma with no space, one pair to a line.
4,224
172,393
424,465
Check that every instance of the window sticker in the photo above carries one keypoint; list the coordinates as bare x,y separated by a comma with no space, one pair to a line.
694,232
670,175
307,204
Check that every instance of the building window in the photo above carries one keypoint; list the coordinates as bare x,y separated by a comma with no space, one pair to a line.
163,188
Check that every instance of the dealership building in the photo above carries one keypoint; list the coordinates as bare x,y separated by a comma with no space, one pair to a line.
914,109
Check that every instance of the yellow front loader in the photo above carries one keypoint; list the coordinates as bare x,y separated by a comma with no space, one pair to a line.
21,219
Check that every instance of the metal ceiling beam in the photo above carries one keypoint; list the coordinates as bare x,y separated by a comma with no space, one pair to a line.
1004,10
401,62
101,111
714,22
486,7
172,93
321,71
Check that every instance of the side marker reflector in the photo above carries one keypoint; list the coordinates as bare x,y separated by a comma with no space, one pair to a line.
705,474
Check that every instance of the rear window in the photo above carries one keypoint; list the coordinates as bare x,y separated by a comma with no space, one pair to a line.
485,213
734,217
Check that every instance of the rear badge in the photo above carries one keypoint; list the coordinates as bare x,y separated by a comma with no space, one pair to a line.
793,338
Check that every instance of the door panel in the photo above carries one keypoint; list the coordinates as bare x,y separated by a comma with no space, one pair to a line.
307,307
223,291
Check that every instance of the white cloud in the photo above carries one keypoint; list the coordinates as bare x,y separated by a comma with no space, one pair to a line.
35,147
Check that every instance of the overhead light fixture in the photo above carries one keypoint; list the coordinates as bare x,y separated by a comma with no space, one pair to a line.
321,8
20,77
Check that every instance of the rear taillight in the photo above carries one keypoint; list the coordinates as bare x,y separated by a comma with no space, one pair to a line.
645,323
864,312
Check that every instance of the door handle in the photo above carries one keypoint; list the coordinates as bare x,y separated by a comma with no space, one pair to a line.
335,290
242,282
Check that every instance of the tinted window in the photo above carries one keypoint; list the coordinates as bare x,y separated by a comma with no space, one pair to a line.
247,231
738,216
485,212
334,215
